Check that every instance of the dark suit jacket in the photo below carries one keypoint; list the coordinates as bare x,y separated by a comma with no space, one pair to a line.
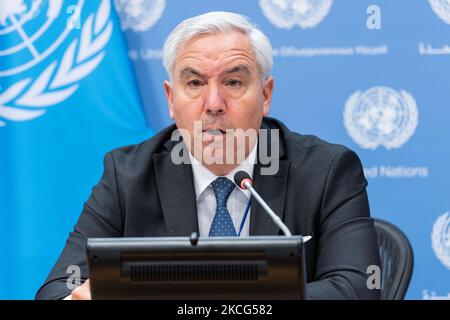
319,190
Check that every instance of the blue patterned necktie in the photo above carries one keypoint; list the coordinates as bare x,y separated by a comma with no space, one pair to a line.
222,225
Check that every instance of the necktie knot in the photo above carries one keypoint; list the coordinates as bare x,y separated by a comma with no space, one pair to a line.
222,224
222,189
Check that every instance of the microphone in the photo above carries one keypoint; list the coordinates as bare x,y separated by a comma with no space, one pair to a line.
243,180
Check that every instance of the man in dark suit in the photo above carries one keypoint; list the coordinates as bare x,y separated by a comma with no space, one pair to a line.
219,66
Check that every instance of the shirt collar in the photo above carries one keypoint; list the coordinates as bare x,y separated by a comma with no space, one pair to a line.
203,177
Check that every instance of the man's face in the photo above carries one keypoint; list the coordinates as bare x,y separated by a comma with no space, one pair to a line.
216,82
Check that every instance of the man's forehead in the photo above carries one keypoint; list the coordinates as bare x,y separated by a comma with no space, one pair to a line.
223,40
217,47
233,69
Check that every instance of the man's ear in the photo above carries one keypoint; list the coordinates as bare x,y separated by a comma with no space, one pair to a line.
169,96
267,93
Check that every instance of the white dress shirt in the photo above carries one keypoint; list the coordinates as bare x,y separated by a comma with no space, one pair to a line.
206,200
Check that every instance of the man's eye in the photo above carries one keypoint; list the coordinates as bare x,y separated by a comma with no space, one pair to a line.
234,83
194,83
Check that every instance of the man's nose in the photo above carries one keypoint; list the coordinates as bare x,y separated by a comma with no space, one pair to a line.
215,103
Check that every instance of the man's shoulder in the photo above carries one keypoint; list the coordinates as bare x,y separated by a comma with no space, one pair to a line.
300,146
313,158
144,151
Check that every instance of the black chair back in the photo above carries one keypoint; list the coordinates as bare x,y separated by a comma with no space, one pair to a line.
397,260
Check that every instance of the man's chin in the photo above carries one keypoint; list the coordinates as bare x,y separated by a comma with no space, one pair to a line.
220,157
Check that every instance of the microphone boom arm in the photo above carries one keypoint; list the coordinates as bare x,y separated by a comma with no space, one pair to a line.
272,214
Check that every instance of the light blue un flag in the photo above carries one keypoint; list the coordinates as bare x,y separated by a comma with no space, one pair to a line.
67,96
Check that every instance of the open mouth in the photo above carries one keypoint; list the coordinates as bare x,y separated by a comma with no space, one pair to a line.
215,132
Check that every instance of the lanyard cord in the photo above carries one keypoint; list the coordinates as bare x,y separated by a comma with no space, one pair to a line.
245,216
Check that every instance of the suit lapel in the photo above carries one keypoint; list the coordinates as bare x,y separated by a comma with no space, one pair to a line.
272,189
177,195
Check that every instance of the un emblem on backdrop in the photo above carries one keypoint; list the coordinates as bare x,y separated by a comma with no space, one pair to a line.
442,9
139,15
381,116
440,239
285,14
30,32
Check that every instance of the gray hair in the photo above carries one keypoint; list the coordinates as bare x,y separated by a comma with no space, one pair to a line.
216,22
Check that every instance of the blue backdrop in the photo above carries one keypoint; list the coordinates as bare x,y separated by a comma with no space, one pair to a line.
372,75
52,143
